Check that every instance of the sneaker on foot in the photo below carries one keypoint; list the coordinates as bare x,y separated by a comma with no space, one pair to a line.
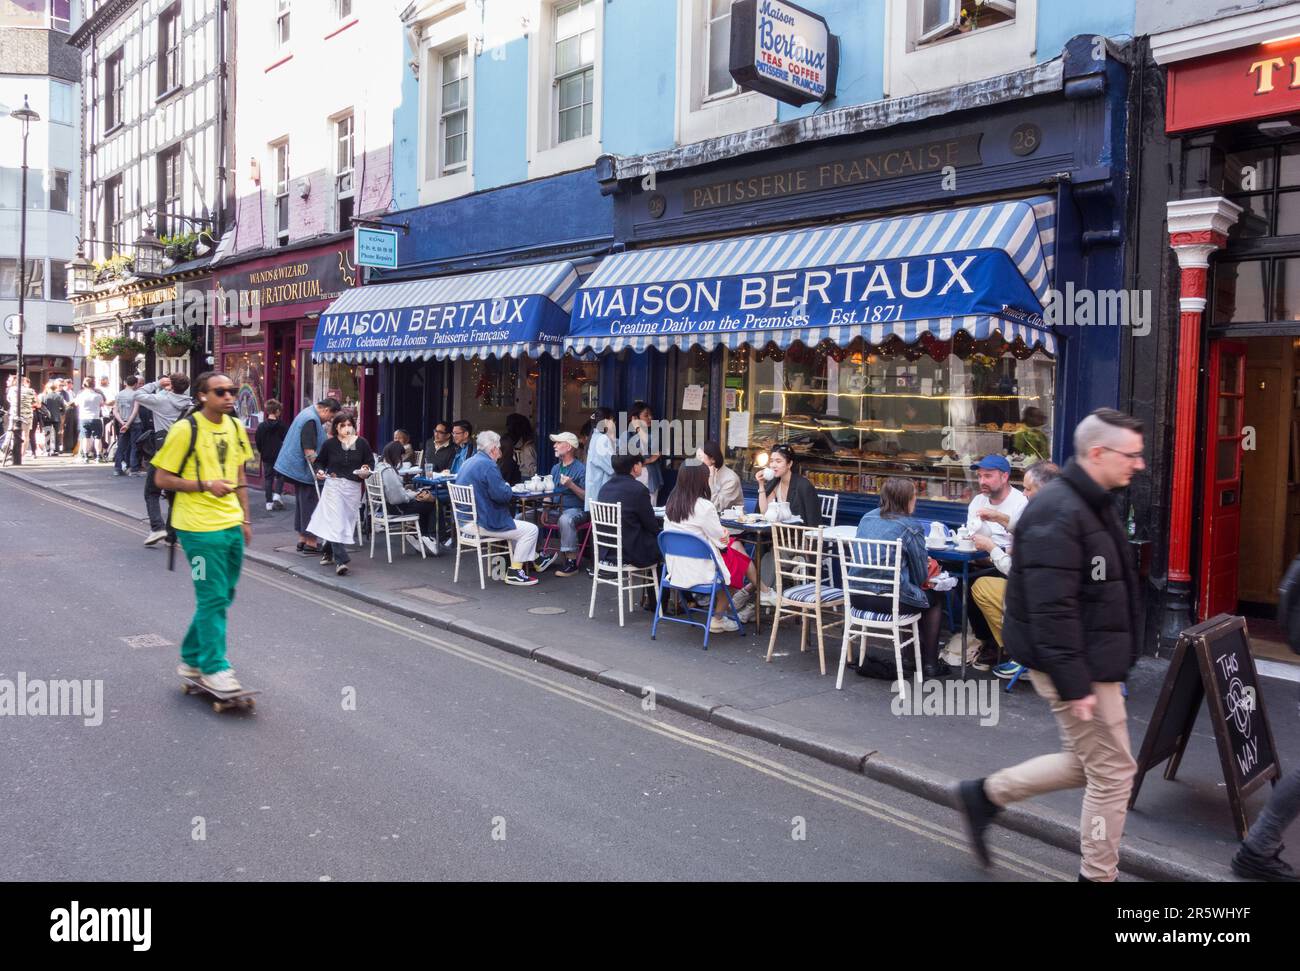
720,625
341,570
221,681
449,542
269,506
155,537
987,657
546,561
1255,866
186,671
746,614
1008,670
569,569
430,544
520,578
277,503
769,598
977,811
327,559
740,597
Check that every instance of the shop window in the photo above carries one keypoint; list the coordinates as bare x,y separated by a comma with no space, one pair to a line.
1265,182
580,375
340,381
859,415
491,389
169,49
247,371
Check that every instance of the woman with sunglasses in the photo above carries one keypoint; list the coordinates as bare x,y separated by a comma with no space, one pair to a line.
344,463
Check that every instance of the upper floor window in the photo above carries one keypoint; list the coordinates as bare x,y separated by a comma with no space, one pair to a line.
944,18
169,192
56,188
51,14
281,23
58,279
718,81
574,70
61,102
114,90
282,194
343,8
345,155
114,214
169,49
453,118
34,279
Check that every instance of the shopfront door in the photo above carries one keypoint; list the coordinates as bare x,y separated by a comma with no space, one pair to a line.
1221,519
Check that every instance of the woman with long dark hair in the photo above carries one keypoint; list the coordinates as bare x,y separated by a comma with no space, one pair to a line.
402,501
892,520
343,464
690,510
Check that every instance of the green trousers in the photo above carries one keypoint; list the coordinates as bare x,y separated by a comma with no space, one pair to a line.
215,560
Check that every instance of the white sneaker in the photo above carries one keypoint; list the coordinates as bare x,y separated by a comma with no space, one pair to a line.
221,681
720,625
768,598
746,614
185,671
430,544
156,537
270,506
740,597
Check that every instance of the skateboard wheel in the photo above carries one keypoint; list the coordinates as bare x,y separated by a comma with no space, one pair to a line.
217,706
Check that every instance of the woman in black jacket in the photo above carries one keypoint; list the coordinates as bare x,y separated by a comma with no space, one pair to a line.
268,439
343,464
781,482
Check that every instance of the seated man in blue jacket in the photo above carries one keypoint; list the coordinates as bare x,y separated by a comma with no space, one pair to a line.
492,498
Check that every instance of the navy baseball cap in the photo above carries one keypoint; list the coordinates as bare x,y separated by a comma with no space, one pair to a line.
997,462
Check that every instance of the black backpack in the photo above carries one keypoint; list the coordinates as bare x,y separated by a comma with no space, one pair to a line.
186,416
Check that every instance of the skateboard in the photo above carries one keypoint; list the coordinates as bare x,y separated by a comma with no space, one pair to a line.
222,700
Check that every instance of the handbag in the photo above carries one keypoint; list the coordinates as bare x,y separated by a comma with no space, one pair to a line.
737,563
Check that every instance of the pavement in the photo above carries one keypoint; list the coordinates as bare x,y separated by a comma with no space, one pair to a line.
1179,830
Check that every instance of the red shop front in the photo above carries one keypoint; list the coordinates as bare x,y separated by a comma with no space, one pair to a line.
271,308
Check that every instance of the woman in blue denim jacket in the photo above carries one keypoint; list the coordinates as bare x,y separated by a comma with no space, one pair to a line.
893,521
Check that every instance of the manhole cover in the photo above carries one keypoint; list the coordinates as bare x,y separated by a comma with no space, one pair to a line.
146,640
547,611
434,596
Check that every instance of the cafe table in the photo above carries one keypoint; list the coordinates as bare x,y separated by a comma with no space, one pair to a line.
437,485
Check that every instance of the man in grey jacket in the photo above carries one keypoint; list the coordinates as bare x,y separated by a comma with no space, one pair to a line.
167,399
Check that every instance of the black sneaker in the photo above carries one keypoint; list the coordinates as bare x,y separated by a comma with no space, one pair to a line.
309,550
977,811
520,578
1254,866
569,569
327,559
546,561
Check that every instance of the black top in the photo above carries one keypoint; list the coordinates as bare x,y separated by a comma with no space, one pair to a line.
1072,595
336,460
269,438
640,525
803,498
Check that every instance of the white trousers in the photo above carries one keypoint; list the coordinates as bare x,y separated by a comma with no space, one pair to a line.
523,541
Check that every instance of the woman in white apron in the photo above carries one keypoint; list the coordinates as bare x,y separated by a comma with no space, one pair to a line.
342,466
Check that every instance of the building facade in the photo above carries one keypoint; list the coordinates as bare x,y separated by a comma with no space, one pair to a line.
156,195
38,66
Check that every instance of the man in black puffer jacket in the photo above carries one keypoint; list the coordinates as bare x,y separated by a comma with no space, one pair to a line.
1072,619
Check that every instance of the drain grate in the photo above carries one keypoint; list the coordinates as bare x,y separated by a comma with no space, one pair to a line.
547,611
434,596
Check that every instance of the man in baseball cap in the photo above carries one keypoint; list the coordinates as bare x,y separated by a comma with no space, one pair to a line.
570,477
994,512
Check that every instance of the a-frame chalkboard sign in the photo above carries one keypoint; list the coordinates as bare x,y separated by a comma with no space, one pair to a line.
1213,659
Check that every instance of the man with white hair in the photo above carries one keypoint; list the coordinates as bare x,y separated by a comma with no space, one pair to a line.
1072,619
492,496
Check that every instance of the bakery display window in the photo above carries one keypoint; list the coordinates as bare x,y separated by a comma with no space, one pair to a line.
927,411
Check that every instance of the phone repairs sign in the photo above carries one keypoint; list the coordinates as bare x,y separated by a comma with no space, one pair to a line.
783,51
376,247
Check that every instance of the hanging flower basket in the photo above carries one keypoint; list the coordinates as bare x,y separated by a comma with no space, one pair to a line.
173,341
106,348
129,349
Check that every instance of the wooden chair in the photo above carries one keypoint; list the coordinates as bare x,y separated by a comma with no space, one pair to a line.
801,590
609,568
875,567
401,526
464,515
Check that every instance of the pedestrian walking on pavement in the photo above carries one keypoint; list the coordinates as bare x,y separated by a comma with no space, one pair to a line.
302,443
343,465
202,464
1072,620
269,439
89,404
165,400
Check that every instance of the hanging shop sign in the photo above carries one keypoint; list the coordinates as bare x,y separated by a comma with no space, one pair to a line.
309,279
1262,81
783,51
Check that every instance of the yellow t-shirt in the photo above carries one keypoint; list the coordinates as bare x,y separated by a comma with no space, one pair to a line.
219,453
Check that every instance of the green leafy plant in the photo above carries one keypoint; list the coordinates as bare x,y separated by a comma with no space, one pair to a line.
182,247
107,348
172,341
119,266
129,349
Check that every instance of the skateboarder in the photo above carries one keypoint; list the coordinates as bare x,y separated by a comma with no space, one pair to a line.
202,462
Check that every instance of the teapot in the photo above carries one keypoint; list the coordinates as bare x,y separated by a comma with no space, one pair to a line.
938,535
777,511
964,540
535,484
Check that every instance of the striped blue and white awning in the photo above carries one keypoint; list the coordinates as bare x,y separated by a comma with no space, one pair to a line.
498,313
981,269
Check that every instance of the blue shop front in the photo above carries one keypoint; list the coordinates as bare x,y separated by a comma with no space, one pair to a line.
470,324
881,293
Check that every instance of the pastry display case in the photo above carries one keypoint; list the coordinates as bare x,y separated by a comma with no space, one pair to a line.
859,415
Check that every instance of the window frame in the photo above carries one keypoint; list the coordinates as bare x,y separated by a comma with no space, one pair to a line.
558,79
709,20
52,175
342,195
22,281
169,57
951,25
115,213
342,9
282,29
443,168
169,205
114,90
280,159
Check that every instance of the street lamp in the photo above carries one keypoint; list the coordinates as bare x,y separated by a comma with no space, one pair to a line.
149,254
82,271
25,116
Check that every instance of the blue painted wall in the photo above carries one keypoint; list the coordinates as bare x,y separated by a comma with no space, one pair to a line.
406,145
1059,20
639,86
501,115
860,25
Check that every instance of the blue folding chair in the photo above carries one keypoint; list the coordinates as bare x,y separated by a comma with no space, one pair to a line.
692,547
